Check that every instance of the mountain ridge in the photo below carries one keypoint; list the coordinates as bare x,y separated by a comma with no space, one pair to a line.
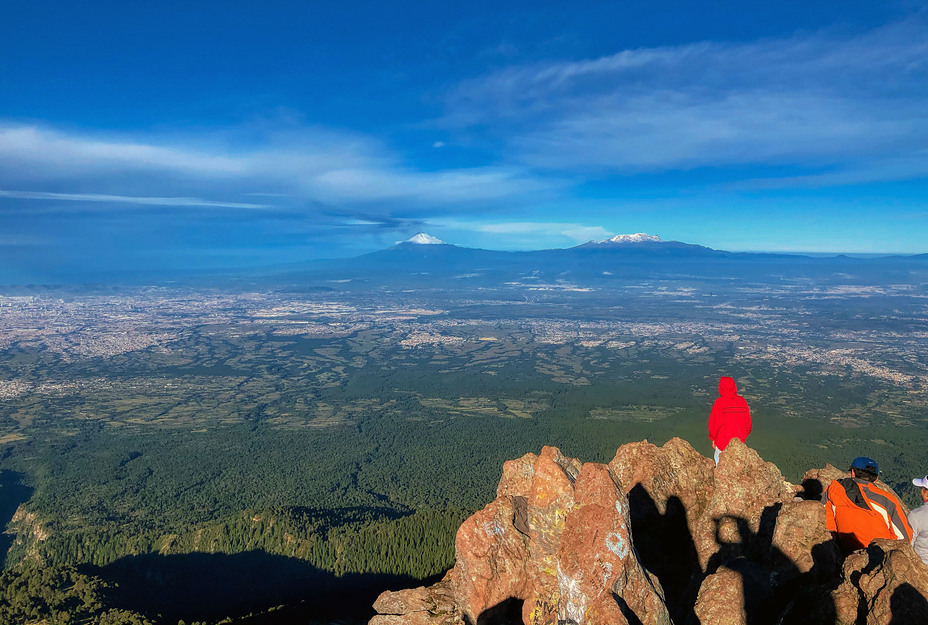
621,259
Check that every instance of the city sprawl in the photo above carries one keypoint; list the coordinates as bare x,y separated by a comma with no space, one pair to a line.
166,358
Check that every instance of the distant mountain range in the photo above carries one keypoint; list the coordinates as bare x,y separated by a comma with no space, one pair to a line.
424,260
637,244
625,243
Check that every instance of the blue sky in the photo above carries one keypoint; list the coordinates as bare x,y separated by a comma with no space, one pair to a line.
216,134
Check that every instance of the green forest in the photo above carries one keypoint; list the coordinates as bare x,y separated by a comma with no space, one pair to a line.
255,478
378,503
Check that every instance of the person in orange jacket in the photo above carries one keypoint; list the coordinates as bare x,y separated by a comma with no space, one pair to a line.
857,511
730,417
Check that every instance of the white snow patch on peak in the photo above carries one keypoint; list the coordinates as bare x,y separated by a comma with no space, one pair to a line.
422,238
638,237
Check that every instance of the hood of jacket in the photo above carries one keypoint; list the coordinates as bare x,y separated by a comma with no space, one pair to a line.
727,386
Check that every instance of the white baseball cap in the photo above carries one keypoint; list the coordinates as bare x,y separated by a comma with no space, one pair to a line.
921,481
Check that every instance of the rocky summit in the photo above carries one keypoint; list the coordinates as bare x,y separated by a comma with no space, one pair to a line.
661,535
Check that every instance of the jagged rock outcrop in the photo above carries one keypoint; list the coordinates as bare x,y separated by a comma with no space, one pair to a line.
724,535
660,535
557,539
886,583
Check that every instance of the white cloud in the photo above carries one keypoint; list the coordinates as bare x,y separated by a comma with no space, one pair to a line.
817,100
573,231
586,233
474,184
35,152
305,164
124,199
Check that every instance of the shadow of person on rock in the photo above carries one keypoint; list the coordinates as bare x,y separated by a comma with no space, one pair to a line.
508,612
666,548
741,550
775,589
908,606
812,490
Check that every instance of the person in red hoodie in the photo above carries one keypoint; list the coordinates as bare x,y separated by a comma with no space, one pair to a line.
730,417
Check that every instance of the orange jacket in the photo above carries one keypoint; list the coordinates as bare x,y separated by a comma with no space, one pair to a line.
857,512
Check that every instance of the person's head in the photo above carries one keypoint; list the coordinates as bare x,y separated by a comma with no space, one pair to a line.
727,385
922,483
865,468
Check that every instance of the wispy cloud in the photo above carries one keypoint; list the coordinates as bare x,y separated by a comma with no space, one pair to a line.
309,165
818,100
572,231
124,199
912,166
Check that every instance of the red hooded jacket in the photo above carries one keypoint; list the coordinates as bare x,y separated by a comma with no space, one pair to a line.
731,417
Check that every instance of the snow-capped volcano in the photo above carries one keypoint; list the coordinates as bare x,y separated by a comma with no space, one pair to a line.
638,237
422,238
641,243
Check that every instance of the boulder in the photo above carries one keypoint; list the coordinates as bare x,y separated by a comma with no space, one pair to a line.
571,559
815,482
434,605
721,599
886,583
